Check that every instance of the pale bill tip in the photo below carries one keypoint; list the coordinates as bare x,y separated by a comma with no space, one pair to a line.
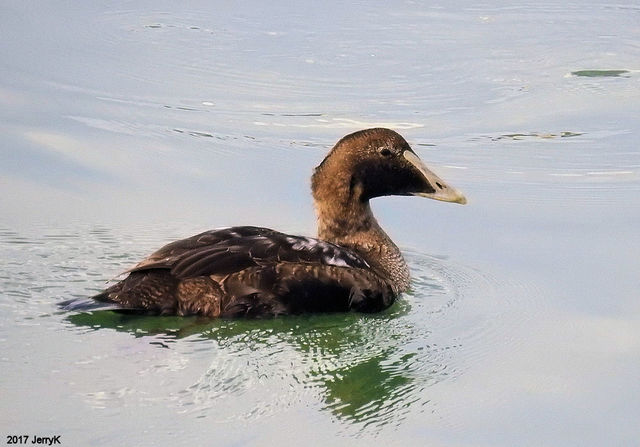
445,193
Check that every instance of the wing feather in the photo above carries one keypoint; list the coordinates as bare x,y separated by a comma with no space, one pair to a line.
297,288
222,252
254,272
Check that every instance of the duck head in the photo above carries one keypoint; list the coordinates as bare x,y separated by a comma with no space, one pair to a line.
377,162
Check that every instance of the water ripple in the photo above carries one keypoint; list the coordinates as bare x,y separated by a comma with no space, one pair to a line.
366,371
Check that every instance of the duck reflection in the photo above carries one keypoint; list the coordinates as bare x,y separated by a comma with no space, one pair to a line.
369,370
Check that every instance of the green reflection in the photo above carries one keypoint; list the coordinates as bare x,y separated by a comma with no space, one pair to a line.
365,390
361,366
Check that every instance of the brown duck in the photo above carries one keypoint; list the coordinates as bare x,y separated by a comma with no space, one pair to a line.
257,272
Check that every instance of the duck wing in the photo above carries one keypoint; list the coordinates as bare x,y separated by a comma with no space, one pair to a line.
295,288
221,252
251,271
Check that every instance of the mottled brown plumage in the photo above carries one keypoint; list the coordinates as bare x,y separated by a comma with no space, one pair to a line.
254,272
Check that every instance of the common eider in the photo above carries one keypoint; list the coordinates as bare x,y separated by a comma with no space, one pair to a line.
257,272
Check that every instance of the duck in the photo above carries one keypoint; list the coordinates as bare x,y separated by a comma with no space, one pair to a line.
254,272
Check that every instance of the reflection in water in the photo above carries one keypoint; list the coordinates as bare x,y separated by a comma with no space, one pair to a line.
368,370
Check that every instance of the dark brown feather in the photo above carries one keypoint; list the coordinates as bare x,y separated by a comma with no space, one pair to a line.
249,271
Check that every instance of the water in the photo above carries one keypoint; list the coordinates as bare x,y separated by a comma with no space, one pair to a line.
128,125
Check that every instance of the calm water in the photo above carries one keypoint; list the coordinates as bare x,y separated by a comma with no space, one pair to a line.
128,125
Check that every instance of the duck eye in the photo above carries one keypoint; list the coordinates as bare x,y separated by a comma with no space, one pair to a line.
385,152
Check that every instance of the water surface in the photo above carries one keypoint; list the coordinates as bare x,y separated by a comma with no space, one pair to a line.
130,125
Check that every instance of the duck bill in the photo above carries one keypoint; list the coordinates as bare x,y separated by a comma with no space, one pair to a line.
441,191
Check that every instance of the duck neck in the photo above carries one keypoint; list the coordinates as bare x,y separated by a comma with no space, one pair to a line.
346,220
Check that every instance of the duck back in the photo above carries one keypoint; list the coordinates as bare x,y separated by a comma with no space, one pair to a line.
250,271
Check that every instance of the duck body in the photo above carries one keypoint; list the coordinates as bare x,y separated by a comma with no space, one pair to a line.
257,272
252,272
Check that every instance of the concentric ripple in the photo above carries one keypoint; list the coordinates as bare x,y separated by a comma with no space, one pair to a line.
368,370
365,371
